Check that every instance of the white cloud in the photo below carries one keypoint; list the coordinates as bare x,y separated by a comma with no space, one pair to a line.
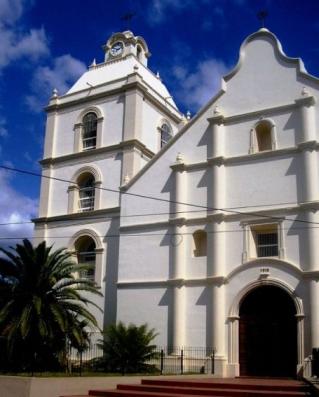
64,71
10,11
15,208
197,87
16,43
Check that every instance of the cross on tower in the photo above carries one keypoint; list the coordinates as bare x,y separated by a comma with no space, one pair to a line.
128,18
262,15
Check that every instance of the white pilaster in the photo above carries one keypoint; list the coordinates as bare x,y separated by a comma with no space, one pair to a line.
73,197
133,111
216,238
132,129
233,347
50,131
44,207
178,245
77,137
97,195
307,145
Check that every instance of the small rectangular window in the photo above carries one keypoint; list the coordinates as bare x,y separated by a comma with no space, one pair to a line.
267,244
264,241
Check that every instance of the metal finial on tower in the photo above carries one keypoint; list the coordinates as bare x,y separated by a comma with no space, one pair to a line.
127,18
262,15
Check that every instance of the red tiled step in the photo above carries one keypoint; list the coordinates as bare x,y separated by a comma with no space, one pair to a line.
131,390
190,390
236,387
125,393
262,384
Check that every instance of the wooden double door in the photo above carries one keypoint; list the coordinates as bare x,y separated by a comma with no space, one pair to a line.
268,334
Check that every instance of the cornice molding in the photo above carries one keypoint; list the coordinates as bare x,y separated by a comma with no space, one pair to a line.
142,226
219,160
178,167
79,215
125,145
314,274
261,112
224,119
212,280
177,282
249,217
178,221
217,119
307,100
174,114
308,145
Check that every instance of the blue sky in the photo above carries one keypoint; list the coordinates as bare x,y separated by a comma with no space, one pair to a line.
48,44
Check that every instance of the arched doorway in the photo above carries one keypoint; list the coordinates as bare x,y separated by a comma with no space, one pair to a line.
267,333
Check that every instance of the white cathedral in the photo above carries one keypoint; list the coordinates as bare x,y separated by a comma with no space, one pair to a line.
206,228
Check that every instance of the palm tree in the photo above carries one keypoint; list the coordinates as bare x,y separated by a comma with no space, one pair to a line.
127,348
45,304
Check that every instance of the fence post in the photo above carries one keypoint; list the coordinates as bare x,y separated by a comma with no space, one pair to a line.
162,361
182,363
213,361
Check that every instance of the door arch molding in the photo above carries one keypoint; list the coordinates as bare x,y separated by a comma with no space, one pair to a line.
233,321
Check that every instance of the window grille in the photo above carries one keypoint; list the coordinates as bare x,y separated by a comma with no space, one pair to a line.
86,195
166,134
89,131
86,256
267,244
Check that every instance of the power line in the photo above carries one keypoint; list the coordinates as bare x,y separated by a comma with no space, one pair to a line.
151,234
144,215
160,199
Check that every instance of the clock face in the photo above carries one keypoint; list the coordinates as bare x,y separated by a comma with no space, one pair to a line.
116,49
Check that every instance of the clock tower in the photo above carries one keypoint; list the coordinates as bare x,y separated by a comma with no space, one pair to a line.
99,135
125,43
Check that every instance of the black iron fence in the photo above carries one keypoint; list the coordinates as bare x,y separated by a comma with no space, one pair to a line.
165,360
92,359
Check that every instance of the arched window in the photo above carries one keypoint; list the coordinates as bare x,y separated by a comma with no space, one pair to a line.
200,243
263,136
85,251
166,134
89,131
86,186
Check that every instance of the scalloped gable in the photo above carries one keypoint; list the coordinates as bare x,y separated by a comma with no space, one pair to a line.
264,76
246,87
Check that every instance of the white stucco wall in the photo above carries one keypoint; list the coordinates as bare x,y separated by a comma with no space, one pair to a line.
145,305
